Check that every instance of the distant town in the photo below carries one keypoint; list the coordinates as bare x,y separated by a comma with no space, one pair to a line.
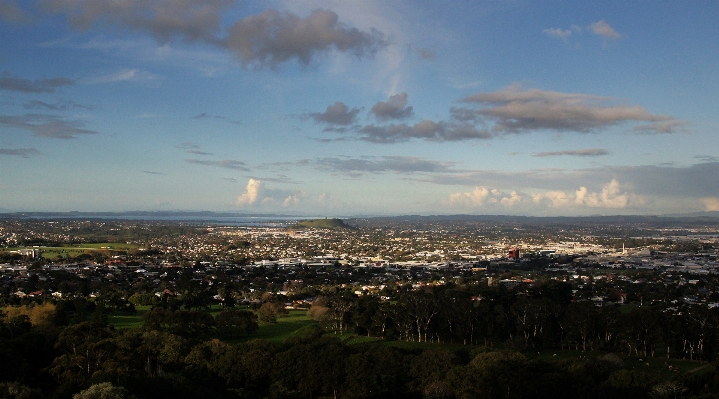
373,256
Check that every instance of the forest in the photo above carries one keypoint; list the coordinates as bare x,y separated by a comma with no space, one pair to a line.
450,341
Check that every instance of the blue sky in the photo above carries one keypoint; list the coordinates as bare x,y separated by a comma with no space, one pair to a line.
347,108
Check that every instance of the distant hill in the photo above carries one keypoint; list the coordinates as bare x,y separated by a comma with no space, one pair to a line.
322,224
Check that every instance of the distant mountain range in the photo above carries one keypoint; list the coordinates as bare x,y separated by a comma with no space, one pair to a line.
144,214
696,216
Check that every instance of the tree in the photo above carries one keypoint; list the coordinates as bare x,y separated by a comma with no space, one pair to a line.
580,322
421,308
104,390
269,311
236,323
87,348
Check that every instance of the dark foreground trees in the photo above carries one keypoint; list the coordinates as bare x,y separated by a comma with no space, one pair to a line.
89,359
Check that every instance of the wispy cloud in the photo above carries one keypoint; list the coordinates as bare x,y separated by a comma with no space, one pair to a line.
225,164
205,115
125,75
559,33
397,164
20,152
11,83
59,105
587,152
599,28
149,172
49,126
192,148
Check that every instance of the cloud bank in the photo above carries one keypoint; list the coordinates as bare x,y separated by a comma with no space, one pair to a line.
510,110
267,39
611,196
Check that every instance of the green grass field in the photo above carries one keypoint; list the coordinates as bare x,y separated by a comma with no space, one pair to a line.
285,327
79,249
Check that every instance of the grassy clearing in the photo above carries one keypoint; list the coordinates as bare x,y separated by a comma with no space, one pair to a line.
122,321
111,246
286,326
80,249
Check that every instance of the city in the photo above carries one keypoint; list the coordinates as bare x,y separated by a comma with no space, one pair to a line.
619,290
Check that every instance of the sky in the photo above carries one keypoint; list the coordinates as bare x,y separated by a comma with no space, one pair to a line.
345,108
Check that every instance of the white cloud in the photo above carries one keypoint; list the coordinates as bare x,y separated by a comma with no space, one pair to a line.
610,197
256,194
254,191
562,34
475,197
603,29
512,200
711,203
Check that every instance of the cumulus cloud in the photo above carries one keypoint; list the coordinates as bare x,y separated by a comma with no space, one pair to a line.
556,198
611,196
48,126
253,193
518,110
20,152
475,197
257,194
603,29
262,40
11,83
711,204
394,108
587,152
273,37
336,114
481,196
225,164
398,164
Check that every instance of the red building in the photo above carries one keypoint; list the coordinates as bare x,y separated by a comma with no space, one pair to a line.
513,253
